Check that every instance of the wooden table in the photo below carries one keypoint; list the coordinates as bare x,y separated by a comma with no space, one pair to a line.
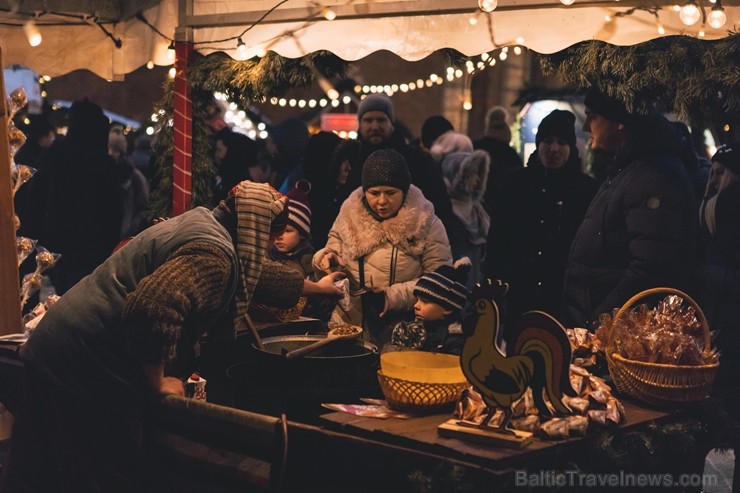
421,433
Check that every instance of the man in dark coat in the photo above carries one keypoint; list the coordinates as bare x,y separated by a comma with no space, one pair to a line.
504,159
377,131
535,216
640,230
74,205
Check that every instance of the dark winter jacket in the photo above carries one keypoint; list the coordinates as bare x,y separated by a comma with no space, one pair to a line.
639,231
504,161
536,214
425,174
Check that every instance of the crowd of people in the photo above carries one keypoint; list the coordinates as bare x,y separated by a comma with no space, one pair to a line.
410,226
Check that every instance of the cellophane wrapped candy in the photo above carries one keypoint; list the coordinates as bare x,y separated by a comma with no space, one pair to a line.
670,333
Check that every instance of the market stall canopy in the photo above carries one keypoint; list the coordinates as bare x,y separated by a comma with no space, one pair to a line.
87,35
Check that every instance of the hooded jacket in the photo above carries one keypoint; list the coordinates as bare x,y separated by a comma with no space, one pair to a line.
466,177
394,253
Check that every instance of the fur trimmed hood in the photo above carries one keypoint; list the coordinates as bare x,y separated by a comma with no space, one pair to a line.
362,233
466,174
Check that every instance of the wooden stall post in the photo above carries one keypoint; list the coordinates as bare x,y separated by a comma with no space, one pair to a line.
10,310
183,130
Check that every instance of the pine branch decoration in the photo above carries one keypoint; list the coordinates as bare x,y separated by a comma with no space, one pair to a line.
243,82
696,79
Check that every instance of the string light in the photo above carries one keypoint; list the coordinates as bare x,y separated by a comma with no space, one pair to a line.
171,52
32,33
150,64
242,52
487,5
690,13
567,2
328,14
717,16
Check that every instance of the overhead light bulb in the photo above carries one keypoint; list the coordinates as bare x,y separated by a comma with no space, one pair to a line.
717,16
171,52
242,51
690,13
32,33
567,2
661,29
328,14
487,5
150,64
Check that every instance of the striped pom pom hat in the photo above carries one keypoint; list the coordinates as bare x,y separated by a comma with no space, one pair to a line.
446,285
299,213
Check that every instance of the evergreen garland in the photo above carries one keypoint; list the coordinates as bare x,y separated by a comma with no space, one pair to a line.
696,79
244,82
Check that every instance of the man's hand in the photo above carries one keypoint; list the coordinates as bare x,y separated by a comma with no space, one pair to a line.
159,384
172,386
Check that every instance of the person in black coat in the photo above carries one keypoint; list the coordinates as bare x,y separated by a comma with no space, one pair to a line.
536,214
74,204
377,131
504,159
640,230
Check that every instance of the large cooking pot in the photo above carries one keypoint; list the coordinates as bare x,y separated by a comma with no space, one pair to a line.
342,371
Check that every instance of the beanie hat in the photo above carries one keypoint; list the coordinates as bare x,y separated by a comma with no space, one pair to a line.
376,102
446,285
433,127
606,106
299,213
729,156
497,124
559,123
450,142
386,167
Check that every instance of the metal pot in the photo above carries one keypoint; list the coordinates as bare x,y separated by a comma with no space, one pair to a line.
343,371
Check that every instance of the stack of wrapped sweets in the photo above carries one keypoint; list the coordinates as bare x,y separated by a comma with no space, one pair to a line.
669,334
593,408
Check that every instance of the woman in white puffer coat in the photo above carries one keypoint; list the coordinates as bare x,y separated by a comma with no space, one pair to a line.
385,237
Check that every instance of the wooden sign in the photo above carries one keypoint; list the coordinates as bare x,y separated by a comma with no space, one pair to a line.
10,308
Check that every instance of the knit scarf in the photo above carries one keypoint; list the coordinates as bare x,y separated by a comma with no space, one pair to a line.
257,205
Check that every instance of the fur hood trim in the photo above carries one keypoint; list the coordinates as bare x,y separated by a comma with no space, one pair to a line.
466,174
362,234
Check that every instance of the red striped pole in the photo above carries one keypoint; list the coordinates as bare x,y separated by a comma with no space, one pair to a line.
183,132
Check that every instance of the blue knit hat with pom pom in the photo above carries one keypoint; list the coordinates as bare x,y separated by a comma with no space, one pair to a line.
446,285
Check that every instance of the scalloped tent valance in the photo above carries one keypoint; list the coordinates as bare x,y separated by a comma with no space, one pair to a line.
412,29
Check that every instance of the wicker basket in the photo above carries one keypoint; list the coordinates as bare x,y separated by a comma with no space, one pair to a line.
419,397
657,383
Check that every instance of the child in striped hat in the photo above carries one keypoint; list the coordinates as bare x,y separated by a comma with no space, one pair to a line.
292,249
440,298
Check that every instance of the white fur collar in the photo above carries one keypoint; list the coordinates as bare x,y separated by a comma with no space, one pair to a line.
361,233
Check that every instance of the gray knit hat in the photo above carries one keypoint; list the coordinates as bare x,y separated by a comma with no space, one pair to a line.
376,102
386,167
446,285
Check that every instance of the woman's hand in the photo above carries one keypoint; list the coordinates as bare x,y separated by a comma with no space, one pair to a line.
325,285
331,262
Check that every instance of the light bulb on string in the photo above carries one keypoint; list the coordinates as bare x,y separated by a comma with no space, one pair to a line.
242,52
717,16
487,5
690,13
328,14
171,52
567,2
32,33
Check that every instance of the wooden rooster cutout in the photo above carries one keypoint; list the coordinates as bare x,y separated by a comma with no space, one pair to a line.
538,357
